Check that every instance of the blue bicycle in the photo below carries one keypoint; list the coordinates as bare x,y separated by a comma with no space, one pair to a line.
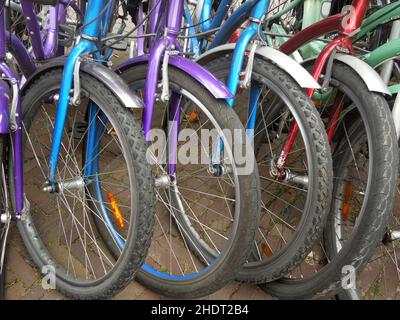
84,162
270,98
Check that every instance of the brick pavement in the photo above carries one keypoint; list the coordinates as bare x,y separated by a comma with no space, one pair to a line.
24,282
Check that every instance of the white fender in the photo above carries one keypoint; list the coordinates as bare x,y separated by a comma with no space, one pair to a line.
294,69
371,78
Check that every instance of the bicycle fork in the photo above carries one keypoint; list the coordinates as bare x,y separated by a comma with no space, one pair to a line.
321,62
84,45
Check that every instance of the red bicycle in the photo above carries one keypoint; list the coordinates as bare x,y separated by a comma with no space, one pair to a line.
363,140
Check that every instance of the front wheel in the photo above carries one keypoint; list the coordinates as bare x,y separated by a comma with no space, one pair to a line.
294,201
59,230
212,199
365,163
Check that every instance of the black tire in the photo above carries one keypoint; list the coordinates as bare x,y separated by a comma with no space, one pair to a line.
237,251
138,237
316,208
3,164
375,117
2,284
379,278
2,230
3,272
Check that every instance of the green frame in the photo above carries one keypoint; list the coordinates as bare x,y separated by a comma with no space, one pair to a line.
313,10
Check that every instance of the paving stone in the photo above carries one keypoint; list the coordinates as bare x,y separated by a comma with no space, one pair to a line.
52,295
226,293
21,268
15,292
133,291
149,295
35,293
246,292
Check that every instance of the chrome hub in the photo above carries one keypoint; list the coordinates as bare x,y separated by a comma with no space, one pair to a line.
162,182
72,184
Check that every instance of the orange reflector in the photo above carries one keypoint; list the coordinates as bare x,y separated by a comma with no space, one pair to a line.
266,250
193,117
347,197
114,133
115,208
317,103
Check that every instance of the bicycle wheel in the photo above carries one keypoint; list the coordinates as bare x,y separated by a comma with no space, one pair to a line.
210,201
380,278
293,205
4,226
59,231
365,162
377,280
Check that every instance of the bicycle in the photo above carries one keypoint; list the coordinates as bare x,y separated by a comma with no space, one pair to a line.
194,199
374,29
348,94
291,100
83,165
373,282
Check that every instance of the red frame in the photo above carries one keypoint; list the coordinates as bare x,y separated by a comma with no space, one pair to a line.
316,30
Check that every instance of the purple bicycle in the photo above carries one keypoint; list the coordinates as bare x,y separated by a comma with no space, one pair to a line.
73,157
207,189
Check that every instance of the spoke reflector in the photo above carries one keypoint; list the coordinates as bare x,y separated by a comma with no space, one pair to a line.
266,250
193,117
347,197
116,210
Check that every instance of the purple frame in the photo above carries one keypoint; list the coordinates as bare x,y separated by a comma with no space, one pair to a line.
158,46
167,39
41,49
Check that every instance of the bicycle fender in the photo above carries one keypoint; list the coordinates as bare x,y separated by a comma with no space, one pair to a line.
194,70
111,80
370,77
294,69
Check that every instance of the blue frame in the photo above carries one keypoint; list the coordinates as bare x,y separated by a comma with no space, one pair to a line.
95,28
211,23
92,30
255,9
194,43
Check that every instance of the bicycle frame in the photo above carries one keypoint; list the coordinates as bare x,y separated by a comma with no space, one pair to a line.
254,10
44,44
256,15
57,14
384,56
10,121
313,11
240,15
168,27
310,48
170,42
85,44
343,41
45,51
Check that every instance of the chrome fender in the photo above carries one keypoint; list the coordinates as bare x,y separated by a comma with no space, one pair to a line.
107,76
299,74
371,78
